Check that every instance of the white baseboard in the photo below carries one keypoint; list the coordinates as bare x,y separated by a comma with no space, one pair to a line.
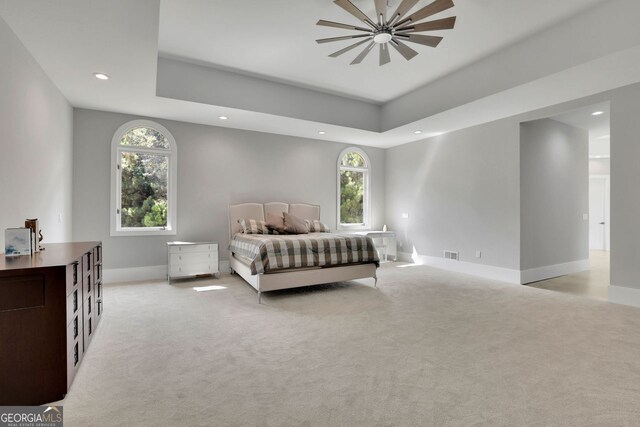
499,273
152,272
480,270
550,271
623,295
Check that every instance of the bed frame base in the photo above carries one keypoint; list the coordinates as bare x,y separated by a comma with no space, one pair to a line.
297,279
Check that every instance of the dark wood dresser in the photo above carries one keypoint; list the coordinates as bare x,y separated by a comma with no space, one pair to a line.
50,307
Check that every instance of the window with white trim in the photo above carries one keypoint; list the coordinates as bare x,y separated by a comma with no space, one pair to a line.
143,180
353,189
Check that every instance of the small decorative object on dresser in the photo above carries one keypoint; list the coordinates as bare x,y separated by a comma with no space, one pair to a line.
187,259
17,241
36,234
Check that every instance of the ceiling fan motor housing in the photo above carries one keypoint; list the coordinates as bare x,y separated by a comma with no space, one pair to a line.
382,36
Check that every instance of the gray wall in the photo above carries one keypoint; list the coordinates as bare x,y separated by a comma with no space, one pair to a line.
216,167
204,84
36,144
625,182
554,193
461,192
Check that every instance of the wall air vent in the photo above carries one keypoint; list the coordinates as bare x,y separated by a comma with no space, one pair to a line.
454,256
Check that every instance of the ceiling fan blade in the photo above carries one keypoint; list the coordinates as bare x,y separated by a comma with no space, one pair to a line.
431,41
337,39
362,54
381,11
431,9
324,23
385,58
352,9
348,48
403,49
402,9
440,24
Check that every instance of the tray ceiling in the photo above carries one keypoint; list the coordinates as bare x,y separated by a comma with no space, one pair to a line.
276,40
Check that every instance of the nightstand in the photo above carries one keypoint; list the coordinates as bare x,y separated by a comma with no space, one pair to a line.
385,243
186,259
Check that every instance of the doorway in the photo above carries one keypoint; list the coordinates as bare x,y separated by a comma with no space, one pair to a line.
594,282
599,215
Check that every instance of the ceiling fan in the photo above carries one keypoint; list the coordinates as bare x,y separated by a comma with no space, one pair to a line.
394,31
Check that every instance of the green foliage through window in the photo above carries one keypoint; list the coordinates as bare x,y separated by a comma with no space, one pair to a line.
351,197
353,159
352,188
143,191
145,137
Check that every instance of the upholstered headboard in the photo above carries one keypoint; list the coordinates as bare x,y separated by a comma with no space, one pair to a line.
259,211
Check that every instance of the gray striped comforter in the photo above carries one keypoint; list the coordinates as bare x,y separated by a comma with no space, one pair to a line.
269,252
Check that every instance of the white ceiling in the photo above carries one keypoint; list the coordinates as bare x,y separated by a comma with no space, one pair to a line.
583,118
71,39
597,126
276,39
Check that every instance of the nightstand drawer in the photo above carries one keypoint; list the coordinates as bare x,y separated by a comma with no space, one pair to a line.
177,249
193,269
193,258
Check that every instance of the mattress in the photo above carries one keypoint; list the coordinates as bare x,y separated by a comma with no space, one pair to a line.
268,253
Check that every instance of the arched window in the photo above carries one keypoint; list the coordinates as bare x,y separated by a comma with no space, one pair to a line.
353,189
143,180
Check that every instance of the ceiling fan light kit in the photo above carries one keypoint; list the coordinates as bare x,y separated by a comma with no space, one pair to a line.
393,31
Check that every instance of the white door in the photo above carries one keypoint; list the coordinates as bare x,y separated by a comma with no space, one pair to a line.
598,213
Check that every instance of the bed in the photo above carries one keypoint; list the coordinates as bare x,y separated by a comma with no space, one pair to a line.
340,256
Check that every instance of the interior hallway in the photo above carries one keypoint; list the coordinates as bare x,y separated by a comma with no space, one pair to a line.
593,283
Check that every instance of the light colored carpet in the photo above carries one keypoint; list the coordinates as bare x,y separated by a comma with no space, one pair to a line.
427,348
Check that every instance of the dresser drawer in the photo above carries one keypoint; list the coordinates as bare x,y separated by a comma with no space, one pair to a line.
74,348
74,275
74,304
88,327
193,269
209,247
192,258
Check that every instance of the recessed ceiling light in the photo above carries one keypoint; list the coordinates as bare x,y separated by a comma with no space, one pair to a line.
101,76
418,132
597,113
223,117
322,132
